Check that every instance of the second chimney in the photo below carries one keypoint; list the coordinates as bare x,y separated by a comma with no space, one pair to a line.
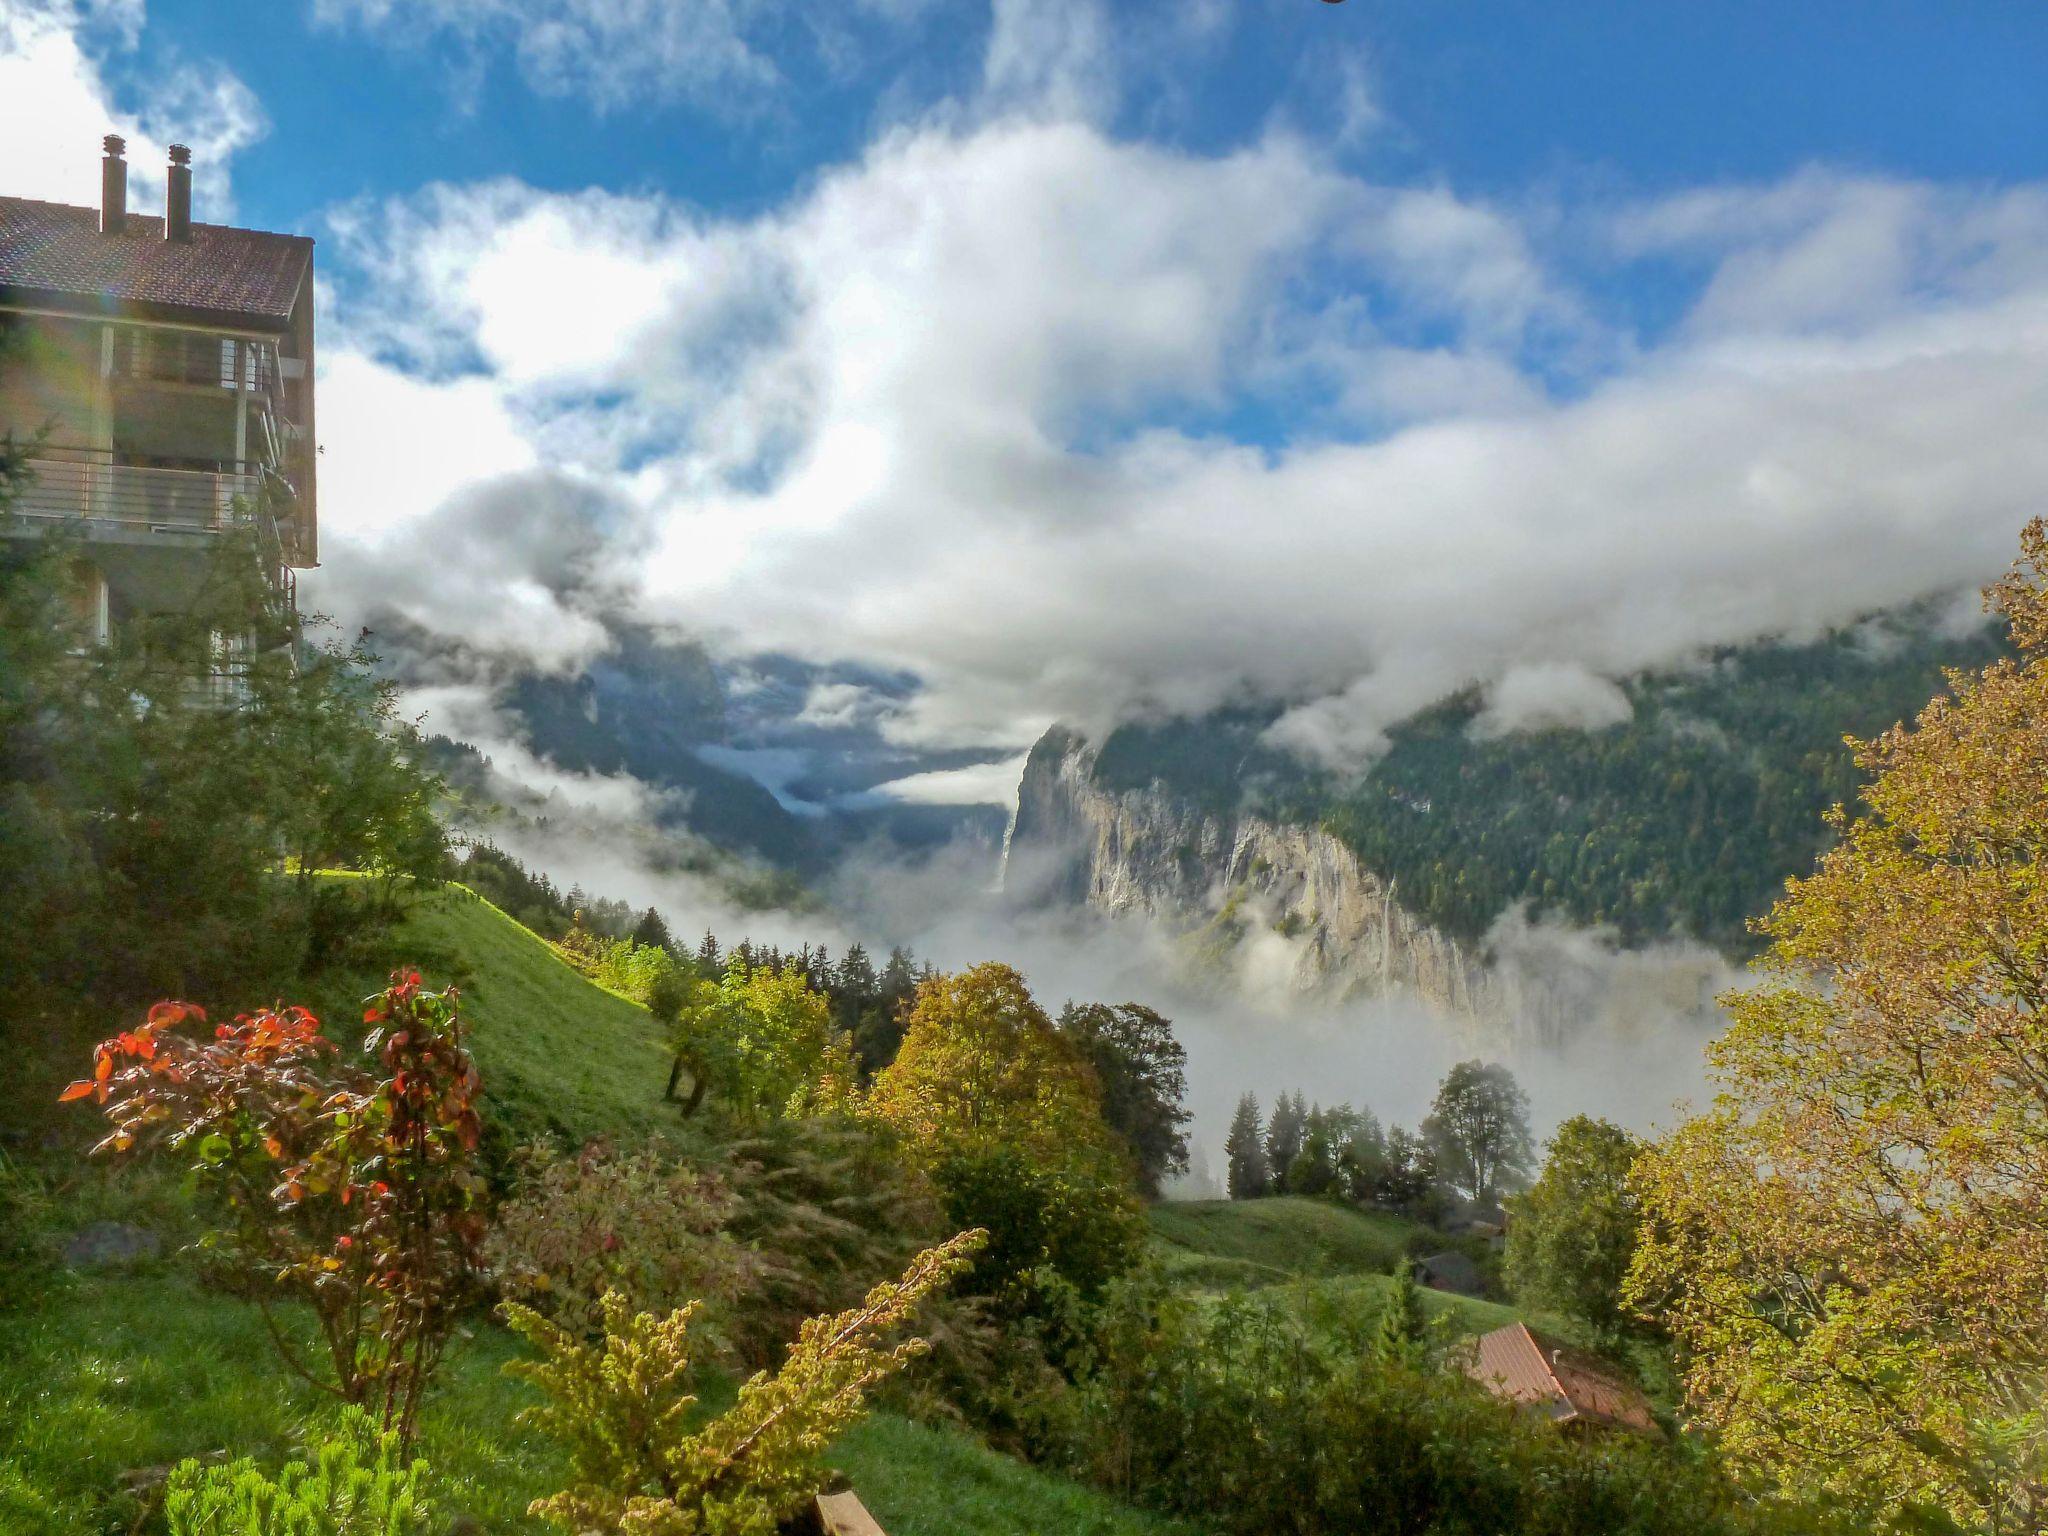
113,186
178,195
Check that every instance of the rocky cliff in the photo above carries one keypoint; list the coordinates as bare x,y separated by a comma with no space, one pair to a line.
1299,902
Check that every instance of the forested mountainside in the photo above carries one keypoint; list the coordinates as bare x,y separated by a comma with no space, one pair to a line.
771,757
1685,819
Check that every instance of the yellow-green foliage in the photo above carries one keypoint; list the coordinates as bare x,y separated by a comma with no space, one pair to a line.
357,1486
1851,1248
620,1407
784,1045
637,970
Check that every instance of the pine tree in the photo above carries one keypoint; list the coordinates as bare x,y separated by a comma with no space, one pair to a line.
651,932
1403,1334
1284,1133
708,959
1249,1175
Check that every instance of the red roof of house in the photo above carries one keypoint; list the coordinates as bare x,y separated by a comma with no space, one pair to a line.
1570,1385
53,256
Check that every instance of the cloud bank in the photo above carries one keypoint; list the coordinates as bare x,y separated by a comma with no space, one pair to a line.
1075,427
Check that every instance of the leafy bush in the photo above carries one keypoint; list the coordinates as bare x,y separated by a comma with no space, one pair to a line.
159,845
1238,1415
358,1485
827,1207
620,1408
638,1224
358,1192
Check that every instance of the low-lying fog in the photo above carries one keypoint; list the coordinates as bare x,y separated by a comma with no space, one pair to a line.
1621,1034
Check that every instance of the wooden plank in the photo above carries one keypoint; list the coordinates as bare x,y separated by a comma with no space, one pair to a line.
843,1514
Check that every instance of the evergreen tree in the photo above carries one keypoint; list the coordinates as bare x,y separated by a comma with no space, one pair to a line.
1249,1176
708,960
855,978
651,932
1284,1133
1403,1333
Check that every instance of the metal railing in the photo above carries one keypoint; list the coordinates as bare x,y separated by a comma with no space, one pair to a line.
147,356
95,484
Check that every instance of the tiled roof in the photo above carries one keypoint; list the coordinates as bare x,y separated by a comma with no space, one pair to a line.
54,254
1529,1367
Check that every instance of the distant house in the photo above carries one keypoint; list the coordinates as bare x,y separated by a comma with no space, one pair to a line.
1566,1385
1451,1271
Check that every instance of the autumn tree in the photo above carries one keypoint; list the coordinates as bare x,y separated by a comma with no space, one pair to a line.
1005,1113
1249,1176
1142,1070
1851,1248
1573,1232
1478,1131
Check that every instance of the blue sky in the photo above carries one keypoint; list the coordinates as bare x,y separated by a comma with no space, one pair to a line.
1493,97
1091,358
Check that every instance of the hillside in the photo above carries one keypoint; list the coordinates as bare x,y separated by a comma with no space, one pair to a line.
1261,1242
558,1052
110,1374
1685,818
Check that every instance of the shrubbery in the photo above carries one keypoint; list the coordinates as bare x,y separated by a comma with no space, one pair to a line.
638,1224
359,1484
1238,1415
622,1407
358,1192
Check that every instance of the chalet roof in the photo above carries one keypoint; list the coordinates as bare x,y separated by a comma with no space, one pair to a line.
1572,1386
53,255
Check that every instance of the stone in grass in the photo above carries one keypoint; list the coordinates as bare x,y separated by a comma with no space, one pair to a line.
110,1245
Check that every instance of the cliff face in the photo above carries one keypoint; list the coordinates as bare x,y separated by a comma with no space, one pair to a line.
1300,902
1240,880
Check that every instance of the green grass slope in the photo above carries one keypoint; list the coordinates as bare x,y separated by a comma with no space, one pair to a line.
113,1376
558,1053
1248,1243
107,1376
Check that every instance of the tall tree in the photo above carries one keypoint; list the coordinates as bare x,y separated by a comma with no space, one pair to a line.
1249,1176
1573,1233
1005,1114
1284,1133
1142,1069
652,932
1852,1247
1478,1131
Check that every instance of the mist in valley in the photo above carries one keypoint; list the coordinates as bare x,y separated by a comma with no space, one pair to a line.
1590,1026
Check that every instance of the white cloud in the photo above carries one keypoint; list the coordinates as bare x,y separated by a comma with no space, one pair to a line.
720,55
1054,57
57,102
978,784
1549,696
918,417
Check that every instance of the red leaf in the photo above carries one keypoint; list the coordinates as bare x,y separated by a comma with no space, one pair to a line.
77,1090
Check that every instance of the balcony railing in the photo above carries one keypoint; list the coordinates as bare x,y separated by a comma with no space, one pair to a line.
145,356
69,483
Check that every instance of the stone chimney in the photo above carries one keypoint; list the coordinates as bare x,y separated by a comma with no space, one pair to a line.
178,195
113,185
